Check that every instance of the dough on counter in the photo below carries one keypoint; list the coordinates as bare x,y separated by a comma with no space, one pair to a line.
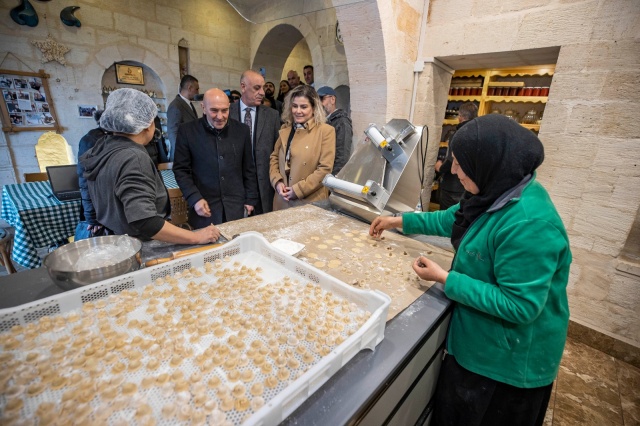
319,264
334,263
322,246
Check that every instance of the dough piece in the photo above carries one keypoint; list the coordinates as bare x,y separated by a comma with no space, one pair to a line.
129,388
283,374
135,365
239,390
266,368
308,358
214,382
257,403
312,255
334,263
163,378
153,364
319,264
242,404
226,403
233,375
293,363
271,382
184,412
257,389
247,376
322,246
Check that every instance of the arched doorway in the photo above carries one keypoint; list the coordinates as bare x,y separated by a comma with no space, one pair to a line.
283,45
153,86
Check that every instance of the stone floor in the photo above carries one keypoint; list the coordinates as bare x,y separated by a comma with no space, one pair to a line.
594,388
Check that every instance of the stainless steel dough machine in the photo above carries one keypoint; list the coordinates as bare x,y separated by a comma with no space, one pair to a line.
384,174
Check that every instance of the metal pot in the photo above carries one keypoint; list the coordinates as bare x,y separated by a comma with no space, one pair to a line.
61,263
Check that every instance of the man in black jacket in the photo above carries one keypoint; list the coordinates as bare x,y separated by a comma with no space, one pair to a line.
450,189
264,123
181,110
342,123
213,165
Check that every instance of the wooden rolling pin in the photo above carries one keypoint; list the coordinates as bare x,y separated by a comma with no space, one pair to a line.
181,253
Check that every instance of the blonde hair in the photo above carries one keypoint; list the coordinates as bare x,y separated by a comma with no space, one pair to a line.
319,116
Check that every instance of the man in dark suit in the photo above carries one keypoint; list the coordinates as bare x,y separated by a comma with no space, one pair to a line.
213,165
264,123
181,110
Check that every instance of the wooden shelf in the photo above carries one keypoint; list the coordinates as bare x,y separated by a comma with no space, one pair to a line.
535,127
520,99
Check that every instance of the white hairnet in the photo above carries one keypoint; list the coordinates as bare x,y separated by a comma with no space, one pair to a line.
128,111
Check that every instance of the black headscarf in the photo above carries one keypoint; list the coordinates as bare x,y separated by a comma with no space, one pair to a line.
497,154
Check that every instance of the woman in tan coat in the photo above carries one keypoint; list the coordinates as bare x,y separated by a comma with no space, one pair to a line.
304,151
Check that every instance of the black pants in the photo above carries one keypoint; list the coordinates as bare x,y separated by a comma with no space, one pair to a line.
464,398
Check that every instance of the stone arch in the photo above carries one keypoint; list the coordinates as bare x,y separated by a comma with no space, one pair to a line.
166,71
278,40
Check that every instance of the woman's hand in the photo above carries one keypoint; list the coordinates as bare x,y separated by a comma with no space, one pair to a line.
429,270
290,193
207,235
381,223
286,192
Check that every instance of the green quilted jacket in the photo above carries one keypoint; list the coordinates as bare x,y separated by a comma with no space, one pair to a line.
509,279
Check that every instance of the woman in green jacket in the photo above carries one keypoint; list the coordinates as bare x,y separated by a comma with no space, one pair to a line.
508,277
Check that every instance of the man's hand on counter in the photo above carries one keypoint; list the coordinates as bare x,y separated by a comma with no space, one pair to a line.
381,223
429,270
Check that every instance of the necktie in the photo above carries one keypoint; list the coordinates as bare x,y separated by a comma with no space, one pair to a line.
193,109
248,122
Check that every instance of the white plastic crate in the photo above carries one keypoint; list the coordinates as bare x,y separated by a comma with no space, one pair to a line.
254,249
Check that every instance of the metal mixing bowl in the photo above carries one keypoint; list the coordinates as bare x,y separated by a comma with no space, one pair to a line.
61,262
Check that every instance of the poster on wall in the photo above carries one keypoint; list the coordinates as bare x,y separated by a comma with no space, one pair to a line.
26,103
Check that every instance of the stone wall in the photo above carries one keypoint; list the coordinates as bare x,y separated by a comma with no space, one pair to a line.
144,31
590,130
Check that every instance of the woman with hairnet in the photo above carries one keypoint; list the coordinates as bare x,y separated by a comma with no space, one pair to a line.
127,191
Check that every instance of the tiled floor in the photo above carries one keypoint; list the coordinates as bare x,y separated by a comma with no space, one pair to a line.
594,388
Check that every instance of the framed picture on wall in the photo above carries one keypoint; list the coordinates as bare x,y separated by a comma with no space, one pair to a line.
129,74
26,104
87,111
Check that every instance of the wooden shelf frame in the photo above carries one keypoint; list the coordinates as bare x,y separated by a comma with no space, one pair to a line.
486,102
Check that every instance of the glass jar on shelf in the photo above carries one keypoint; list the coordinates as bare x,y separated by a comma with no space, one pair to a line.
512,115
531,117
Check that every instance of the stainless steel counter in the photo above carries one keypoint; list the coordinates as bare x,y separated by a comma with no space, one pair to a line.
391,385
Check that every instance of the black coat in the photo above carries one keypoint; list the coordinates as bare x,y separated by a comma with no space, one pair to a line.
216,166
266,134
178,112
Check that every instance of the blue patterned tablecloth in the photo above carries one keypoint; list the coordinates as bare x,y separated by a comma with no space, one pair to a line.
40,219
169,178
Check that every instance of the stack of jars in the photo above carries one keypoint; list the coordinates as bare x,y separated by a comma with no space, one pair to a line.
465,91
518,91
